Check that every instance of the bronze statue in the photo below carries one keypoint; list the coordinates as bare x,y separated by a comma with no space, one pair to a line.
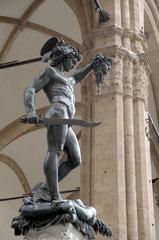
60,136
59,90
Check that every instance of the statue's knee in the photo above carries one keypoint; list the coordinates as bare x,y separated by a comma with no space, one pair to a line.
76,162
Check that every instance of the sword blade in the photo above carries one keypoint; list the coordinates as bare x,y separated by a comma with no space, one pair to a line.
63,121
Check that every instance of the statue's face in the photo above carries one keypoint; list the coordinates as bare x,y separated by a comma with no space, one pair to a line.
69,63
106,67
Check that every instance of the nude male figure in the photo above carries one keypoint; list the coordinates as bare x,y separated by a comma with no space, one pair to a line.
59,91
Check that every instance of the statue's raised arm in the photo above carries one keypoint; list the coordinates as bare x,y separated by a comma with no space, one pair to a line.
100,64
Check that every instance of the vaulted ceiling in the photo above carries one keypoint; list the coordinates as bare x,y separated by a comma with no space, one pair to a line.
151,24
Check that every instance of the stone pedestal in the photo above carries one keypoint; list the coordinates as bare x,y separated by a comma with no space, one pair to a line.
56,232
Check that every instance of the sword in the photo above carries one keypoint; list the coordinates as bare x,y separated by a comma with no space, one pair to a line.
63,121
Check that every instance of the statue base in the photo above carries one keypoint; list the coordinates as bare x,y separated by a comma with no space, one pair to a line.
41,218
56,232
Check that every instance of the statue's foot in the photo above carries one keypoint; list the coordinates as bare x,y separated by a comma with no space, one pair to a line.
56,197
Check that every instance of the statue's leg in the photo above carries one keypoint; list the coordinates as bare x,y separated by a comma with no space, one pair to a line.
74,156
56,136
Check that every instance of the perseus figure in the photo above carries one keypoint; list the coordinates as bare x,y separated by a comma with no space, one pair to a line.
59,91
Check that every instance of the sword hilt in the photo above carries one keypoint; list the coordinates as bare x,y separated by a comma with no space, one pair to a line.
33,120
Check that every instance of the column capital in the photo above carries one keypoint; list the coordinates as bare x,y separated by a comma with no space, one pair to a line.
127,54
122,60
141,77
113,82
107,31
144,59
122,71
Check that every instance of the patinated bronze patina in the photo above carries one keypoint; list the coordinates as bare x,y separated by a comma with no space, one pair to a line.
60,137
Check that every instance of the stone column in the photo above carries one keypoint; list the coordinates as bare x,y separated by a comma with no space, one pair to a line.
142,157
106,156
125,22
107,187
87,138
134,15
108,162
131,202
135,25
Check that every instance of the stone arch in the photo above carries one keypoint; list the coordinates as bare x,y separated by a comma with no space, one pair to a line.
17,170
152,18
154,8
151,21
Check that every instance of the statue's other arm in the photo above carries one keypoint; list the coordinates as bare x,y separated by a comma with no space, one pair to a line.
30,93
82,73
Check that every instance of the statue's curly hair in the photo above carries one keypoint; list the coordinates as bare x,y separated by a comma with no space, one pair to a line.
64,51
58,51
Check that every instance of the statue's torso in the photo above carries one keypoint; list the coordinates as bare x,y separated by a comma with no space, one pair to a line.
60,89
